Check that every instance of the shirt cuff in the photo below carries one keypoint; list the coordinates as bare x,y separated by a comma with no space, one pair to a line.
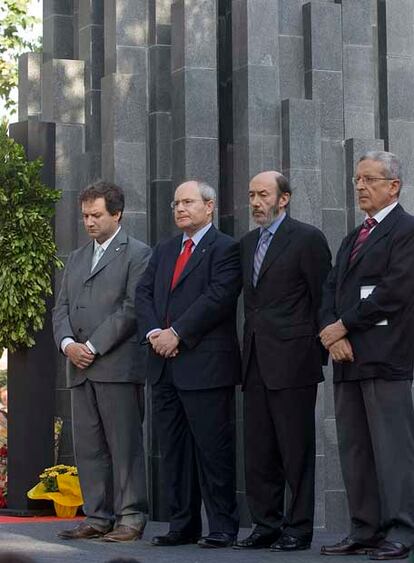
65,342
91,347
152,332
174,332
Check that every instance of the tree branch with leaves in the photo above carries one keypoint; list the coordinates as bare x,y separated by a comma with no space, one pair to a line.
28,252
15,23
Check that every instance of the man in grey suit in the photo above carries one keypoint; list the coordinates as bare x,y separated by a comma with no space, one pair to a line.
94,326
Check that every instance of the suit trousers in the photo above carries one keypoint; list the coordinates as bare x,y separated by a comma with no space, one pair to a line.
107,431
196,431
279,450
375,425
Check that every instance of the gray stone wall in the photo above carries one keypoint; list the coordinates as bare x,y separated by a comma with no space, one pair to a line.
149,92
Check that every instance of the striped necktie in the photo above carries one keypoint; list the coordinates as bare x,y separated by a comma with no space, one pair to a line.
260,253
367,225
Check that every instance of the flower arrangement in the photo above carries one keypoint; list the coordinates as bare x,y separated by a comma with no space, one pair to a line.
49,476
59,483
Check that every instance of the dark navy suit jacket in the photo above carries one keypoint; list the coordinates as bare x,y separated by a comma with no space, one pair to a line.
201,308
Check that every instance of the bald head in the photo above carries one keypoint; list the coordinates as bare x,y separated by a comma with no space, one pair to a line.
269,194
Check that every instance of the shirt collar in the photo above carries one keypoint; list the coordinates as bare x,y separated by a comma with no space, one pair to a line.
275,225
197,236
380,216
105,244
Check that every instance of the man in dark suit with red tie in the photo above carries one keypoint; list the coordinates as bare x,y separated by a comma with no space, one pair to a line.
186,309
367,320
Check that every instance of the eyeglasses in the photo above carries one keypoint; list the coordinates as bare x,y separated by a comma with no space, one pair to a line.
184,202
368,180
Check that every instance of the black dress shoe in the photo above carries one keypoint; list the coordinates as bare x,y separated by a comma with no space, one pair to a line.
174,538
81,532
217,539
347,546
389,550
256,540
287,542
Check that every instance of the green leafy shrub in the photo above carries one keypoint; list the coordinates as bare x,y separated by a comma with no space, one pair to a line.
27,248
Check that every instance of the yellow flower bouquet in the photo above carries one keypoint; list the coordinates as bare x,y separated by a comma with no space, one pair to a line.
60,484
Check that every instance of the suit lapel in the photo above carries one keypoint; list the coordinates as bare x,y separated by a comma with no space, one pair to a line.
279,242
198,254
251,243
116,247
173,251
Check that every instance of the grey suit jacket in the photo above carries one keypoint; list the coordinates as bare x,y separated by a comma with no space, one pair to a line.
99,307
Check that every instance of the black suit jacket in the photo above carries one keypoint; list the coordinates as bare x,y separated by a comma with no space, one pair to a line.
281,312
385,261
201,308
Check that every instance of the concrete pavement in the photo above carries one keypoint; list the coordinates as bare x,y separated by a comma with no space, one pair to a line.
39,541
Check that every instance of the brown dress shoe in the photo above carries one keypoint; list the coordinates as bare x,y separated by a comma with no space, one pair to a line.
124,533
347,546
389,550
81,532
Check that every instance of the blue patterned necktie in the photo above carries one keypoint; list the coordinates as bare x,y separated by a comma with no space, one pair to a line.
260,253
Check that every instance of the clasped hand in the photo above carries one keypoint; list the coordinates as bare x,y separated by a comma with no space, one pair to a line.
79,354
333,339
165,343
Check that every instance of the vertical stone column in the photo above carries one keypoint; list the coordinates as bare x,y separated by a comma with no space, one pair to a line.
256,97
358,69
225,106
291,69
30,86
58,35
124,107
91,51
160,134
323,63
301,134
396,84
194,91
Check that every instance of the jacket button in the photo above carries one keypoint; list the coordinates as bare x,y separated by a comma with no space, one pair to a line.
79,330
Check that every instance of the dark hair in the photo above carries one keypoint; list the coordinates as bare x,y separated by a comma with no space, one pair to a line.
283,184
112,194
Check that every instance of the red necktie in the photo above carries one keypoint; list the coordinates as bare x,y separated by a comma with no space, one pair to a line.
181,262
362,236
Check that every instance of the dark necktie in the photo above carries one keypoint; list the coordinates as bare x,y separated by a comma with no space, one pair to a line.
181,262
362,237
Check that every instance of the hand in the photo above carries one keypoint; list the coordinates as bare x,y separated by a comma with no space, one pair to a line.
79,354
332,333
165,343
341,351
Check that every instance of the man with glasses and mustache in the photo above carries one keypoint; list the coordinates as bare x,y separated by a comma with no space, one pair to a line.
186,310
367,320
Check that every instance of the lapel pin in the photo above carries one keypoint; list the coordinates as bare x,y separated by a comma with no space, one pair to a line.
204,249
116,249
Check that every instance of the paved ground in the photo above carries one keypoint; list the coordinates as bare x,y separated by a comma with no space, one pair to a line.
40,542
